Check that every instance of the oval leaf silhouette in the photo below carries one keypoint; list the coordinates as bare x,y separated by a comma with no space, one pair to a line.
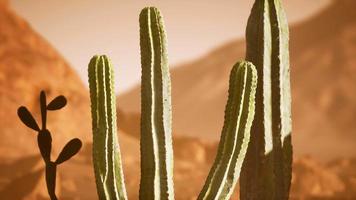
71,148
57,103
27,118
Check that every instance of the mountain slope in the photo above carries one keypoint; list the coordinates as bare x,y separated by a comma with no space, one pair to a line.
28,64
322,66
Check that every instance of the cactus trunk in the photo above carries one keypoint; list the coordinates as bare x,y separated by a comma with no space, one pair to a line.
106,152
156,140
266,172
239,114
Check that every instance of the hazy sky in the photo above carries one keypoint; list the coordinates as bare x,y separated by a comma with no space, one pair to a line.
78,29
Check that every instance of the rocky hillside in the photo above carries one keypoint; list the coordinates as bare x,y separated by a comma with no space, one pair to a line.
29,64
322,66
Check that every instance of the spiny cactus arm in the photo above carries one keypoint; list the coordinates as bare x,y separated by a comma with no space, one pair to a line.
258,51
281,97
266,171
106,154
156,140
115,172
99,162
239,114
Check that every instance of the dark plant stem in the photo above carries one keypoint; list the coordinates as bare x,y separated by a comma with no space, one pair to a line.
44,139
51,172
43,109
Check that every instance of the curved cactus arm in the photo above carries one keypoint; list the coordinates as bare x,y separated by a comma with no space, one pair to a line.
266,173
106,151
156,139
239,114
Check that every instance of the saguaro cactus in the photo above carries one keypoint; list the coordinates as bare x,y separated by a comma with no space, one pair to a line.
235,136
156,118
266,172
106,152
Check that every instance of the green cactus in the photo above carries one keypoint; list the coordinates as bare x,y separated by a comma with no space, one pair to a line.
239,114
156,117
106,152
266,173
264,159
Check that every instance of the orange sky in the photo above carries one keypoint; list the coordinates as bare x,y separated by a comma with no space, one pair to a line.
82,28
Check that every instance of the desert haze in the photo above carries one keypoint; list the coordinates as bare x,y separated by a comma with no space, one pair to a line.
323,71
324,110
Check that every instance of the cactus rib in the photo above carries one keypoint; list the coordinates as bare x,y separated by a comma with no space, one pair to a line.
281,97
156,140
266,172
239,114
106,152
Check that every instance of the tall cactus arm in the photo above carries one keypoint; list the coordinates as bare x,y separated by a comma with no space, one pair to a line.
106,152
156,140
266,171
281,98
258,51
239,114
98,162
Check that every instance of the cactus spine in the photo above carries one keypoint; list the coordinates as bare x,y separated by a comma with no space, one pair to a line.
106,152
264,159
156,139
266,173
239,114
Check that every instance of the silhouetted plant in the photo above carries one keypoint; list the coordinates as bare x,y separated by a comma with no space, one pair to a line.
44,139
264,159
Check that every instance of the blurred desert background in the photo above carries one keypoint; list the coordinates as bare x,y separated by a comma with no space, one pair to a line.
47,44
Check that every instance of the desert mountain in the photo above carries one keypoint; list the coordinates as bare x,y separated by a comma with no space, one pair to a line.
323,61
29,64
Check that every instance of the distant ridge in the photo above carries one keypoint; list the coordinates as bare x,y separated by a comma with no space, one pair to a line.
323,76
